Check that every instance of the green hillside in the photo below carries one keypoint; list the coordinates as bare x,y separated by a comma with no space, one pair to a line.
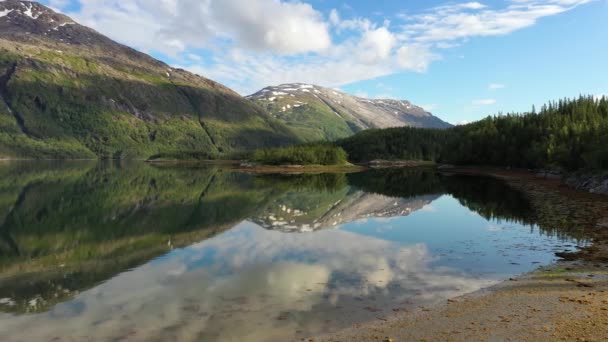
69,92
317,113
312,122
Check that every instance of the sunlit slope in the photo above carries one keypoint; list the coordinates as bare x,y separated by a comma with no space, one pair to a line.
70,92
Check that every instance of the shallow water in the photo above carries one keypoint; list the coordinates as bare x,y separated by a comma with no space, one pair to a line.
103,251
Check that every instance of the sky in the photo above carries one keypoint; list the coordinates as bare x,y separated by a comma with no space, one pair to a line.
461,60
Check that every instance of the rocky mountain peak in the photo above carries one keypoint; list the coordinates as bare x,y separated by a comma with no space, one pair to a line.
294,101
27,17
37,25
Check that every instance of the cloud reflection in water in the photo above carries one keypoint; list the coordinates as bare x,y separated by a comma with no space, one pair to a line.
255,285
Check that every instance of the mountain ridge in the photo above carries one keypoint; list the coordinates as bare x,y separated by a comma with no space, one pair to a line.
67,91
330,114
70,92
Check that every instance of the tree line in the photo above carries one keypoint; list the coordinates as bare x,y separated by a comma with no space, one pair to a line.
568,134
309,154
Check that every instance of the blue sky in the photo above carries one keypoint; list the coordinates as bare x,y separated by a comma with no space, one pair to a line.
461,60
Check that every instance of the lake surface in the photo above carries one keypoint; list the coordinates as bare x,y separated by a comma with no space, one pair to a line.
111,251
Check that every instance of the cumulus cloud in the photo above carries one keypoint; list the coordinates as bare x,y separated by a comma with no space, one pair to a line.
415,57
262,25
496,86
171,26
376,45
254,71
249,44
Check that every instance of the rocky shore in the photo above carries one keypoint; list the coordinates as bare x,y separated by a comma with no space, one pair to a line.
567,301
593,183
552,304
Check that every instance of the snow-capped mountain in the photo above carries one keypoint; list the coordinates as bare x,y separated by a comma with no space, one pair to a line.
325,113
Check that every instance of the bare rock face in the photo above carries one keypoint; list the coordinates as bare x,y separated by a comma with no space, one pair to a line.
25,18
337,114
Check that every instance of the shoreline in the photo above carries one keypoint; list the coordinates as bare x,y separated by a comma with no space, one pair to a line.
191,161
302,169
567,300
547,304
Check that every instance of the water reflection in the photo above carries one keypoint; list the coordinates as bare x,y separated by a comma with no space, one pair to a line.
254,284
106,251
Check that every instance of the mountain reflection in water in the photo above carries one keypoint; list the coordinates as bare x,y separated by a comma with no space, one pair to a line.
104,250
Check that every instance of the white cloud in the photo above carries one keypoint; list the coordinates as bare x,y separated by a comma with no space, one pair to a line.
557,2
334,17
456,22
376,45
458,7
250,44
496,86
194,57
415,57
172,25
255,71
444,45
473,5
484,102
598,97
282,27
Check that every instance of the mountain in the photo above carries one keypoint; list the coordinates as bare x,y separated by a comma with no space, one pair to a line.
69,92
318,113
353,206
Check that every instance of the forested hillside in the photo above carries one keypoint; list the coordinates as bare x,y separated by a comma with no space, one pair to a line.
567,134
67,91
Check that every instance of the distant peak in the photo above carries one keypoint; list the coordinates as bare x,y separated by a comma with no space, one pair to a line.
287,89
302,88
292,100
30,16
29,9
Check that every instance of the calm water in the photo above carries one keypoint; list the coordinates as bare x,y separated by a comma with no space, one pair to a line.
103,251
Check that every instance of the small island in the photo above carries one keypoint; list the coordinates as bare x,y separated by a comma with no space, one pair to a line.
321,157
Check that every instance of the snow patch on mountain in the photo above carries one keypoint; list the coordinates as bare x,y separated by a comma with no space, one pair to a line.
364,113
356,206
